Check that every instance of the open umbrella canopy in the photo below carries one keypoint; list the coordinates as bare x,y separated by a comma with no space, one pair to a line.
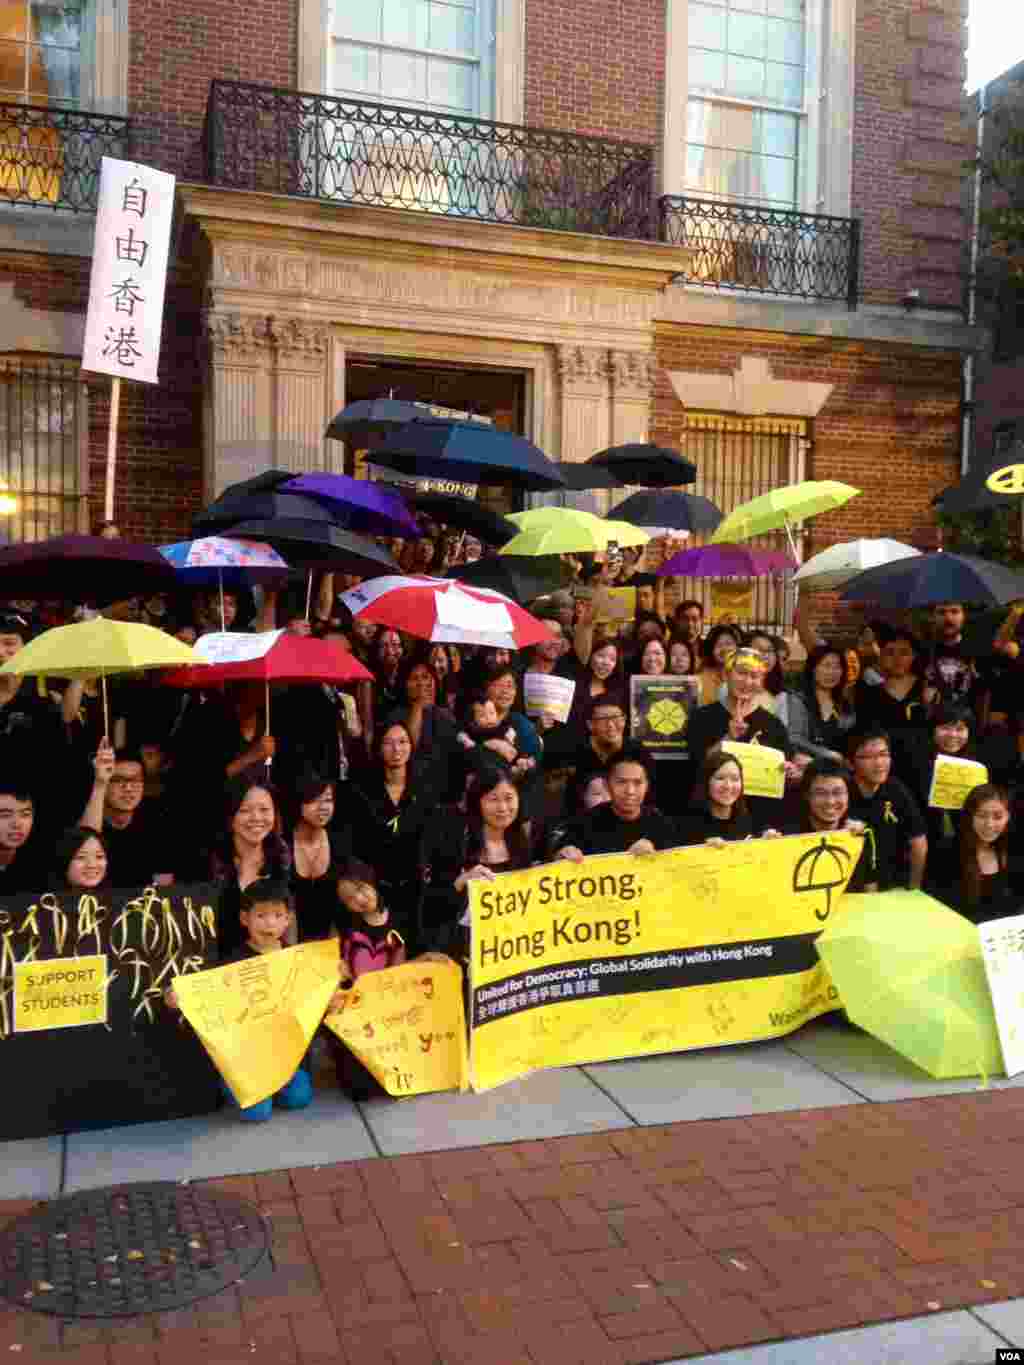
561,530
270,656
939,576
997,483
217,561
648,466
83,569
366,422
358,504
468,452
727,561
466,515
443,610
910,972
315,544
783,508
522,578
839,563
660,511
96,649
261,498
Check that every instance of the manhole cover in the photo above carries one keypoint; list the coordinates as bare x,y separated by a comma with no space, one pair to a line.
128,1249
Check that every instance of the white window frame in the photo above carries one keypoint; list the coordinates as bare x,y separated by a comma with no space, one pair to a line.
825,143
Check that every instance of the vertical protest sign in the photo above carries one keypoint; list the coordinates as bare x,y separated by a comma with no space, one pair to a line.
1002,947
124,321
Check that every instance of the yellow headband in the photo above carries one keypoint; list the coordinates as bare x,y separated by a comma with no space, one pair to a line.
745,655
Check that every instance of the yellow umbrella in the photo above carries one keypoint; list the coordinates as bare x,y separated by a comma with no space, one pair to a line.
563,530
95,649
782,509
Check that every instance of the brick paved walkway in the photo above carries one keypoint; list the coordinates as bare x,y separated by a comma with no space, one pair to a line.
636,1246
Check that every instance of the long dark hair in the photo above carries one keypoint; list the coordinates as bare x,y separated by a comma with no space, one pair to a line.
810,687
307,787
970,873
707,645
275,850
417,658
713,760
70,843
517,835
376,662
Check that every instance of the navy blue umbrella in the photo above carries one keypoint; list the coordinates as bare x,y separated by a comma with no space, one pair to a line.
924,580
468,452
669,511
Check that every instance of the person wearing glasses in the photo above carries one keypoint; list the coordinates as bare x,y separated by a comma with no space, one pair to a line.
131,827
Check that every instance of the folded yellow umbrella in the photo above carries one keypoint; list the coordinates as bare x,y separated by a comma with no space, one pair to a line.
563,530
910,972
96,649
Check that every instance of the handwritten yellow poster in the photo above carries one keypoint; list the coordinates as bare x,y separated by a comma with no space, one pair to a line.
624,956
614,604
953,780
65,992
731,600
764,768
256,1018
407,1026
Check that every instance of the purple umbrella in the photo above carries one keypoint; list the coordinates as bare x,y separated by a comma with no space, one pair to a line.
357,504
83,569
727,561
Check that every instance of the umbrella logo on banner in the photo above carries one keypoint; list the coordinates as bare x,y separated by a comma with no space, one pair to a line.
821,868
1009,479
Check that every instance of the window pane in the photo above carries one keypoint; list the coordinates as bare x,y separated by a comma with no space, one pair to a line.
778,179
784,84
453,85
56,24
748,6
452,28
403,77
356,68
786,9
747,34
784,41
13,20
53,73
12,67
706,70
745,78
356,21
778,134
405,22
706,27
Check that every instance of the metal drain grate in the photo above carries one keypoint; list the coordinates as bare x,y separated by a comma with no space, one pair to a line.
128,1249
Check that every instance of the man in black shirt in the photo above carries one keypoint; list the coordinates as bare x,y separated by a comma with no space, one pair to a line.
137,841
33,743
887,808
20,866
607,726
951,670
626,824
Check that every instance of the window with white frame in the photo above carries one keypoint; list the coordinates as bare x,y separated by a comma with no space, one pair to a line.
746,71
430,54
41,46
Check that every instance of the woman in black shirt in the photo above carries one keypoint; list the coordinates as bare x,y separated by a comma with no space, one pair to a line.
977,876
625,824
318,853
721,814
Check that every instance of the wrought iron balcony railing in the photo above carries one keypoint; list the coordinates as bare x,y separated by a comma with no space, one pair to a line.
764,250
357,152
51,157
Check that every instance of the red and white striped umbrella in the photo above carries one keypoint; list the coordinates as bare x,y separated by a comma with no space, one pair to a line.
445,611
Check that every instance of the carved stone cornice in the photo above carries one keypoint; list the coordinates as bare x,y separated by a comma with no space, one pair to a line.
583,368
300,338
633,373
238,336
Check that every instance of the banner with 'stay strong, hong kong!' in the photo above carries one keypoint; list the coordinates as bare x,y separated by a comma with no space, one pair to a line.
627,956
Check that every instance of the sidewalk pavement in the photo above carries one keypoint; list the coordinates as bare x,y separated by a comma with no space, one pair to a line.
718,1210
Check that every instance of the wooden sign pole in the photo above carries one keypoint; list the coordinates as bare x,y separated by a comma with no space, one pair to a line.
115,405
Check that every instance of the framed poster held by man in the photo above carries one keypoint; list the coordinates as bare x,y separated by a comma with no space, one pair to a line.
659,711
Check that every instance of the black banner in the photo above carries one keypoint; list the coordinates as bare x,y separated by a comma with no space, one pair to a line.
587,978
143,1063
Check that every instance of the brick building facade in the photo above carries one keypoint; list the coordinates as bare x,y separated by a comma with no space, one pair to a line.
770,248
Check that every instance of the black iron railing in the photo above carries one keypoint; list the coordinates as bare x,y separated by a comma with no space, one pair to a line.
765,250
358,152
51,157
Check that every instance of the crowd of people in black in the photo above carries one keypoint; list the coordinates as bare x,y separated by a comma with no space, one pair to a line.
367,812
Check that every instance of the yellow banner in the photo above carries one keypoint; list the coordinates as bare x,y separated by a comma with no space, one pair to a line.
64,992
624,956
256,1018
953,780
764,768
732,600
407,1026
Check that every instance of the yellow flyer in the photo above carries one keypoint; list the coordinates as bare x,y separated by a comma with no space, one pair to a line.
764,768
732,600
63,992
953,780
256,1018
614,604
407,1026
625,956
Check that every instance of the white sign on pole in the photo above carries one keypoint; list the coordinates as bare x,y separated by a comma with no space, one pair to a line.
235,647
1002,946
129,271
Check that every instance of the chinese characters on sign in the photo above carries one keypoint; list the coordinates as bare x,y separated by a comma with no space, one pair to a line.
129,271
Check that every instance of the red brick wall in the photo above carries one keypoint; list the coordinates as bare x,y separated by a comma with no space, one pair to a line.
911,137
596,67
159,470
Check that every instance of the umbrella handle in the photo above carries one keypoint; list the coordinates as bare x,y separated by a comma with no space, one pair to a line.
220,581
106,709
309,591
268,760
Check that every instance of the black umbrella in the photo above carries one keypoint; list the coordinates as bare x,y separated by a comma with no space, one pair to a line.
999,483
471,452
83,569
466,515
668,511
261,505
317,544
647,466
521,577
924,580
365,423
